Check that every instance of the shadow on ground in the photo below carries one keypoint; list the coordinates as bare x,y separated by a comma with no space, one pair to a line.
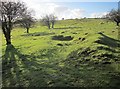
62,38
21,70
68,27
38,34
88,72
110,42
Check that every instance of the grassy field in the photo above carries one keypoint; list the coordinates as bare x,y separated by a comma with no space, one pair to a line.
76,53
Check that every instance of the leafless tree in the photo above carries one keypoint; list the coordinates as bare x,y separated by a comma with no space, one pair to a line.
27,22
10,12
114,15
48,20
52,19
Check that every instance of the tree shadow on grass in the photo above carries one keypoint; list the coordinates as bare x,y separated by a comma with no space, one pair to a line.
62,38
110,42
68,27
9,66
88,74
20,70
38,34
107,49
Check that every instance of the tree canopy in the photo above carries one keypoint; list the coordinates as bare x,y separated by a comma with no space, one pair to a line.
114,15
10,12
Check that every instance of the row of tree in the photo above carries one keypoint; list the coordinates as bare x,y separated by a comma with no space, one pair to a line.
17,13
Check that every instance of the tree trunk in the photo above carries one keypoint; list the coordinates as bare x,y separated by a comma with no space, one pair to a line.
27,30
117,23
48,26
6,32
8,38
52,25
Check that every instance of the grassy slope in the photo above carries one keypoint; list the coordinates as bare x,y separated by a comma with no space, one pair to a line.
89,60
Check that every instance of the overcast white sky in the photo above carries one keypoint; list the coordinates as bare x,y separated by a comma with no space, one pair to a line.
71,8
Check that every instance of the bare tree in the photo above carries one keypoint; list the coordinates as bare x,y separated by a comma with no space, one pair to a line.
114,15
27,22
48,20
52,19
9,13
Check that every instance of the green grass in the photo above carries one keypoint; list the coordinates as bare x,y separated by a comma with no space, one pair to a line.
90,59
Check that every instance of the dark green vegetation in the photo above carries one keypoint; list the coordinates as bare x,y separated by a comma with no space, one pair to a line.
77,53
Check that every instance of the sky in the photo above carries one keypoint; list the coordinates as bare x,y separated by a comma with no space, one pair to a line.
71,9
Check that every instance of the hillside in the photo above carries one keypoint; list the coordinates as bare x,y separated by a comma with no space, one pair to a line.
76,53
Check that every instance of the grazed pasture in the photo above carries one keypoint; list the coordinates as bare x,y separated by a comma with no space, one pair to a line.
76,53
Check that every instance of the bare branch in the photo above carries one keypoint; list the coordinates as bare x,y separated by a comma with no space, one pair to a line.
114,15
10,12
